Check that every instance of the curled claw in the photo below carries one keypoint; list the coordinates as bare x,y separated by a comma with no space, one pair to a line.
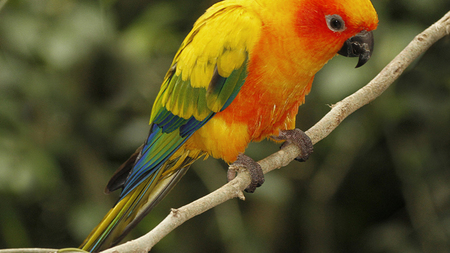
300,139
253,168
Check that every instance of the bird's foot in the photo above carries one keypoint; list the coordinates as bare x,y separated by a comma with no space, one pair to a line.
300,139
253,168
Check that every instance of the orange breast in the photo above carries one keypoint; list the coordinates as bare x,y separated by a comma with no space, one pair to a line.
275,87
264,106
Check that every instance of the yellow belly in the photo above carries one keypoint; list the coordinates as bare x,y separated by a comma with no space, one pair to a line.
220,140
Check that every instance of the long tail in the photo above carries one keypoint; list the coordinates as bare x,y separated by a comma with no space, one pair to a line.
131,209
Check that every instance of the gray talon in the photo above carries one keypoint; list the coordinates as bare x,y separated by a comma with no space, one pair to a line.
253,168
300,139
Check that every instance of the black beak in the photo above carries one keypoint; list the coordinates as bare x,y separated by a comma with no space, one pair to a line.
360,45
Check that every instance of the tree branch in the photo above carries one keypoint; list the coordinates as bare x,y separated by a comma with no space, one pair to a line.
319,131
283,157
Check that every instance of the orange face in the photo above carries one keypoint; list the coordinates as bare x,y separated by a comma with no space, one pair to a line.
325,25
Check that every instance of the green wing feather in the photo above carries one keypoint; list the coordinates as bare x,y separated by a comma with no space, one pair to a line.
197,83
206,75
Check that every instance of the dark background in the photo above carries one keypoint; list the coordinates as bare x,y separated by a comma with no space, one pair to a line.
77,81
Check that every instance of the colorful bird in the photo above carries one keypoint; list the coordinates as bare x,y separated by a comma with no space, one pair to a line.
239,76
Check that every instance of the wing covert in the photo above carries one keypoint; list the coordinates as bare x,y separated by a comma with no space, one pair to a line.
206,75
211,64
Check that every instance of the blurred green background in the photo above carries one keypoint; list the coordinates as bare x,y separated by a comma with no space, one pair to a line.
77,81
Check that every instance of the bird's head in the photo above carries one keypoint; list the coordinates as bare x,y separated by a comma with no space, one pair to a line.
322,28
338,26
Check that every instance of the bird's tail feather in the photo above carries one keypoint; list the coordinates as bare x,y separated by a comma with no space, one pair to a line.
132,208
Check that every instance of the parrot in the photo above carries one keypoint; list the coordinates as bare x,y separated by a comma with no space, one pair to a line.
239,76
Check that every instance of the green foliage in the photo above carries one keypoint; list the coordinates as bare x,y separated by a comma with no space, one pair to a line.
77,81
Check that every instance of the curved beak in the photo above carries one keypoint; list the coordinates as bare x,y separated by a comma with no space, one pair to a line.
360,45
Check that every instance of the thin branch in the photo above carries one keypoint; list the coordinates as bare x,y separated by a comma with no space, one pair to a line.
283,157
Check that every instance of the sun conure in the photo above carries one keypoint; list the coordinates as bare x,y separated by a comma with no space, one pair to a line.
239,76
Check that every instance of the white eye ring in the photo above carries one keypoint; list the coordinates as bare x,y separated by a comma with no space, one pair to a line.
335,23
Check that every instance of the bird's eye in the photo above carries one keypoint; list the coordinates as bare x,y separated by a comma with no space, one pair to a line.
335,23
